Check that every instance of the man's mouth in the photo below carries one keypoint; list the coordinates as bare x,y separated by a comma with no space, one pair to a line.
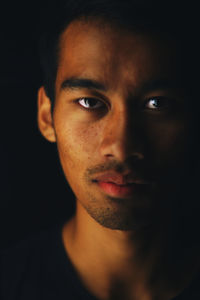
116,190
117,185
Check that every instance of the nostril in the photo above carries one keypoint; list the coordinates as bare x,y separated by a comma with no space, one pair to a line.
138,156
109,155
120,146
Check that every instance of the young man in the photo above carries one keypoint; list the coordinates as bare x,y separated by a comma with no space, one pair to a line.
118,102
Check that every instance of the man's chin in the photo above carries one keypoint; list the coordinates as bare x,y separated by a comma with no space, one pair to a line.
123,220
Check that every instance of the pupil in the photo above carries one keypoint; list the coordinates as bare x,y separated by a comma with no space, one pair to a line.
89,102
155,103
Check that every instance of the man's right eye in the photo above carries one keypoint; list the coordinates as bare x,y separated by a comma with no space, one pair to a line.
90,103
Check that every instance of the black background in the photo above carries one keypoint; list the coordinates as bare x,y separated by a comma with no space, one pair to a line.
34,194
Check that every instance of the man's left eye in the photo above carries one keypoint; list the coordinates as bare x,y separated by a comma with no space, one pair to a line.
157,103
90,103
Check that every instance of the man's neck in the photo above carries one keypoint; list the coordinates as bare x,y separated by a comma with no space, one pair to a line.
127,263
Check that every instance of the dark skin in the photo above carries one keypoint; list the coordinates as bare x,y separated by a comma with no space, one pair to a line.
119,105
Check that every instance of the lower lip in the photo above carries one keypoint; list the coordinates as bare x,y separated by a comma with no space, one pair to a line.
115,190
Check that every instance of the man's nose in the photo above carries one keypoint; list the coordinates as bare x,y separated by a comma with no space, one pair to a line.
122,137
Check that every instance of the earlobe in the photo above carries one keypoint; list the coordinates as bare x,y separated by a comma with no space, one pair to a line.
44,116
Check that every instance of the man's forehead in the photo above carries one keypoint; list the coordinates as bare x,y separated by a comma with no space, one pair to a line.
90,30
100,32
85,48
90,51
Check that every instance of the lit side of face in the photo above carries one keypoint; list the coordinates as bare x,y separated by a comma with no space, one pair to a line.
118,107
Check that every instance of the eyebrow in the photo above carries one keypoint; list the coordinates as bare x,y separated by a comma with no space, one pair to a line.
161,84
82,83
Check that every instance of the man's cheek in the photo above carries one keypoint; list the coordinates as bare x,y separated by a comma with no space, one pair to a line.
75,150
86,139
168,139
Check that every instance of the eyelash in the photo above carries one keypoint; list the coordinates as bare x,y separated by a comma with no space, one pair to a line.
162,99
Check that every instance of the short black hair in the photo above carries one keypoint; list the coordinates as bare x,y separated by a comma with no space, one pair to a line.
163,17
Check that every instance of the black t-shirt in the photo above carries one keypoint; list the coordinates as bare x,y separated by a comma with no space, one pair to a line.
39,269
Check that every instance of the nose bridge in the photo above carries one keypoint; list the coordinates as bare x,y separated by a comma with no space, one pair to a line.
120,136
121,124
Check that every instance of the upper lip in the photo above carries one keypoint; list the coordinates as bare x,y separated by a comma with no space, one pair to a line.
119,179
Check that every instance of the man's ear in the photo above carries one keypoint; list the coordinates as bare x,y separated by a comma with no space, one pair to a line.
44,116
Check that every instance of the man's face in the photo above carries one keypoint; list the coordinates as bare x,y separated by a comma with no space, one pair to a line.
120,122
